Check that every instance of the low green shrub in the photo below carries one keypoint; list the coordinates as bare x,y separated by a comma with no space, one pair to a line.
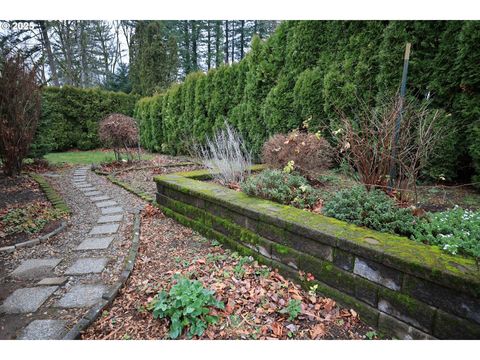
457,231
288,189
372,209
187,305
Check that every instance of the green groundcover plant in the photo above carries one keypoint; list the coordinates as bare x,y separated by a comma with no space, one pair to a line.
186,305
457,231
288,189
30,220
373,209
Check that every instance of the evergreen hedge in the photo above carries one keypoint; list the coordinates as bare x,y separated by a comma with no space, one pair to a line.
70,117
313,69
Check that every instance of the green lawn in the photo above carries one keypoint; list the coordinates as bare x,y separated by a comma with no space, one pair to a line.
84,157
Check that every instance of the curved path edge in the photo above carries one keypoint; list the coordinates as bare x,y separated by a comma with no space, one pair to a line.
108,296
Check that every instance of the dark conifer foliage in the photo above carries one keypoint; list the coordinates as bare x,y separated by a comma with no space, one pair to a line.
312,70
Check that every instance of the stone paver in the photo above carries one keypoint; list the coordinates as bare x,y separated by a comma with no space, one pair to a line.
88,189
35,268
104,229
44,330
95,243
40,321
82,296
108,203
100,198
93,193
110,218
53,281
111,210
27,300
87,266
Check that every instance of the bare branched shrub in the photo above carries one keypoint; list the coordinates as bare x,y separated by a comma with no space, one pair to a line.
367,141
310,153
120,132
19,112
226,156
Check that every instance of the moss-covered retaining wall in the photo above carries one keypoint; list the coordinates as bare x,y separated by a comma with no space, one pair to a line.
402,288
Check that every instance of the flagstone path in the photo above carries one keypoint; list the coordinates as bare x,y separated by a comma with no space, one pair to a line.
45,290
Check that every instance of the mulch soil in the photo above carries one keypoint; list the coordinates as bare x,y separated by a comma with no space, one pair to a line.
254,295
18,192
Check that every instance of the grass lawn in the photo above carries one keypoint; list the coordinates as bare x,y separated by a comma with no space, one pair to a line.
85,157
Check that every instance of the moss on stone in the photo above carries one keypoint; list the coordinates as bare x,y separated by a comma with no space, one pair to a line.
395,251
51,194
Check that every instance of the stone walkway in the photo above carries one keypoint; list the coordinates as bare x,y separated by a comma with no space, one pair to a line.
46,289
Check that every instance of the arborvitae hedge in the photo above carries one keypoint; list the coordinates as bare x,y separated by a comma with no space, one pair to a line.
70,117
313,69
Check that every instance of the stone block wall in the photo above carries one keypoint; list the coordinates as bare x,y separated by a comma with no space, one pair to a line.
402,288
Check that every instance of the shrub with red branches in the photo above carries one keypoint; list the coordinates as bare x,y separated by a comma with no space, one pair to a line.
19,111
119,132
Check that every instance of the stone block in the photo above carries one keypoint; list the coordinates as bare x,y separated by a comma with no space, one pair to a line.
87,266
400,330
95,243
27,300
53,281
378,273
93,193
366,291
35,268
110,218
451,327
451,301
107,203
44,330
111,210
88,189
406,309
344,260
100,198
82,296
104,229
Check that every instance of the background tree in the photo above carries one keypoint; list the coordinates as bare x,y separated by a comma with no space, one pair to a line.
19,112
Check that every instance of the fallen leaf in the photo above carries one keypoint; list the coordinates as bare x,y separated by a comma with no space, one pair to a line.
277,329
318,331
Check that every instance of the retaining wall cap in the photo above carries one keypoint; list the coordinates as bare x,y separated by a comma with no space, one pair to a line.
425,261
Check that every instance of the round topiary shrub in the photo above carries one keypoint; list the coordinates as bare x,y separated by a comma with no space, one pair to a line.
119,132
311,154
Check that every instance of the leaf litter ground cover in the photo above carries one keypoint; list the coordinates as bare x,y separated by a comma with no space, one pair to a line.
25,213
259,302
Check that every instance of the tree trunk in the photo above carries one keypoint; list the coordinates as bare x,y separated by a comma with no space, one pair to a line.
48,49
218,36
226,42
194,46
242,38
83,56
232,56
186,37
209,46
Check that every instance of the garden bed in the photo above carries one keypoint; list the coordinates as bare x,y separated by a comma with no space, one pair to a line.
406,289
138,176
26,212
255,296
